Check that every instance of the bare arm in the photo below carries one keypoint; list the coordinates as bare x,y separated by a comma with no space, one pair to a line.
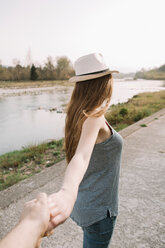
24,235
62,202
79,163
32,226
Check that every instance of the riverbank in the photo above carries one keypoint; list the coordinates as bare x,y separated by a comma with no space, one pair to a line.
138,107
8,89
18,165
33,84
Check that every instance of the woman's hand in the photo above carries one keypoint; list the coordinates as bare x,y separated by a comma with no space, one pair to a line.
60,205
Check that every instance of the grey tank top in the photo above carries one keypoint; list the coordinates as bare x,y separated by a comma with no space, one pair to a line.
98,191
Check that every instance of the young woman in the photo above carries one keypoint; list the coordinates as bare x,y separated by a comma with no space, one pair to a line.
89,193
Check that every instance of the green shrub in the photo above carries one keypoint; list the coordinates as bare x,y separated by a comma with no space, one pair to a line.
143,125
138,116
123,111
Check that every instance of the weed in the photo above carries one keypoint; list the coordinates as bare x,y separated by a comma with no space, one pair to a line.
56,153
123,111
49,164
143,125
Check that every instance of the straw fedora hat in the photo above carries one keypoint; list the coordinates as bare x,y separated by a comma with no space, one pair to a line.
89,67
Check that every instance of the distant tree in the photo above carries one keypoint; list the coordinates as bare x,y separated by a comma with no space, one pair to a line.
40,73
49,68
33,73
162,68
64,68
17,69
59,69
49,63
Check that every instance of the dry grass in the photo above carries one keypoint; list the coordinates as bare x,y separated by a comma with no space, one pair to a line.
18,165
137,108
33,84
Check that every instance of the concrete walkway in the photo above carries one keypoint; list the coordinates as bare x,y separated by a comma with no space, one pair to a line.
141,220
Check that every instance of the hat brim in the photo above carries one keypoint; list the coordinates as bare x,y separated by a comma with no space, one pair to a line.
90,76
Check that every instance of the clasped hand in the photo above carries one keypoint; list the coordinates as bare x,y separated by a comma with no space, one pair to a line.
60,205
45,213
49,212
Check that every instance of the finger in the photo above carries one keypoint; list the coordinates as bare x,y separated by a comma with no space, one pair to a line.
31,202
54,212
50,227
58,220
52,204
42,198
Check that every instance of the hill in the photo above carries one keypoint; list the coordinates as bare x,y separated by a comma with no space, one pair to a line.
154,74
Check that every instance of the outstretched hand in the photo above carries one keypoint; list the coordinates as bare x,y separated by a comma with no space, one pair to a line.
60,205
31,227
37,211
49,212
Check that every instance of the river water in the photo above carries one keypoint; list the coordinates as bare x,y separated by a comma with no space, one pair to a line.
26,117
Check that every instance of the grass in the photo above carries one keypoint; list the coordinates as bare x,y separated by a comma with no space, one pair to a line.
33,84
18,165
137,108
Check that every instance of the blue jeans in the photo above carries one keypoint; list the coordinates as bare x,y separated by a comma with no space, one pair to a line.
99,234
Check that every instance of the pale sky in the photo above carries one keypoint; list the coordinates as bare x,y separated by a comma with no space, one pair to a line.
129,33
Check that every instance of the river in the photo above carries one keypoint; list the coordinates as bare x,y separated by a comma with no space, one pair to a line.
34,115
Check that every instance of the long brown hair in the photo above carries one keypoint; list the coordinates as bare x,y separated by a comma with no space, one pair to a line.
86,100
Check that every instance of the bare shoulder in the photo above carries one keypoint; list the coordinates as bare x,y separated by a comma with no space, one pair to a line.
94,122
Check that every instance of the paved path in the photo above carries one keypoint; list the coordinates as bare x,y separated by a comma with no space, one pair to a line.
141,221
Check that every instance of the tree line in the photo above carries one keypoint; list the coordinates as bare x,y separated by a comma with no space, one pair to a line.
60,69
155,74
